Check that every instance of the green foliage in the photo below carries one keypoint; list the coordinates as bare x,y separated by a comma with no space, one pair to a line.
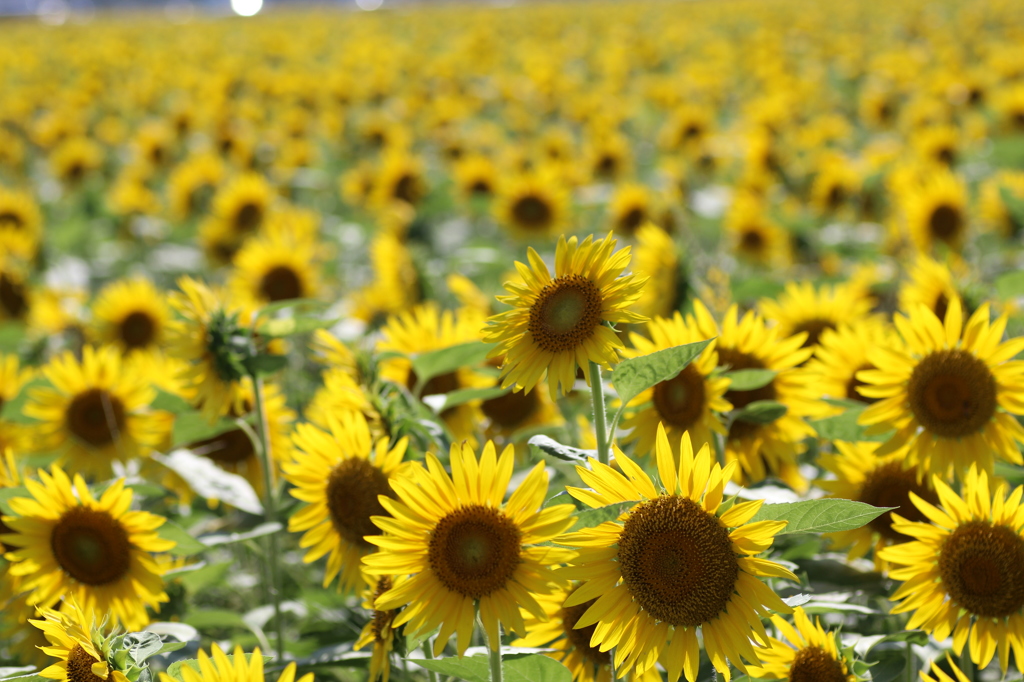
549,446
13,410
820,516
514,668
761,412
749,379
186,544
633,376
446,360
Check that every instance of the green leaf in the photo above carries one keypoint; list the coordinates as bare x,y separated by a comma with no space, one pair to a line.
192,427
187,545
171,403
844,427
820,516
215,618
26,678
264,364
211,574
9,493
550,446
445,360
1010,285
866,644
750,379
761,412
13,409
588,518
310,304
465,395
633,376
174,670
230,538
1014,204
143,645
514,667
290,326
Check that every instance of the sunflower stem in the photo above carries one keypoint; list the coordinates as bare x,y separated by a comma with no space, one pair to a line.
600,416
494,649
270,511
428,653
966,664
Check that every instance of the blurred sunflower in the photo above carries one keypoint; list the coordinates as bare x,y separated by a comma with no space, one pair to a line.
476,176
752,235
951,391
631,206
94,412
21,223
340,474
400,177
71,546
843,352
275,267
936,211
996,191
192,184
813,655
396,286
671,565
132,315
74,159
243,203
12,380
802,308
378,630
238,668
459,551
72,639
657,258
558,324
930,284
532,205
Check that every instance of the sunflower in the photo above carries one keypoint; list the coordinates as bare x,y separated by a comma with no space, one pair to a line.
356,185
558,325
12,379
813,654
192,183
951,391
21,223
881,481
396,286
687,402
801,308
399,178
571,646
687,127
69,545
15,291
754,236
476,176
243,203
132,315
378,630
836,184
73,640
936,211
238,668
841,353
340,474
993,206
631,206
608,156
961,573
456,550
532,205
275,267
930,284
746,343
340,394
671,565
938,145
94,412
73,159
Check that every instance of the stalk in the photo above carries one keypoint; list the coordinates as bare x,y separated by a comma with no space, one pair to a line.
494,650
270,511
428,653
966,664
600,416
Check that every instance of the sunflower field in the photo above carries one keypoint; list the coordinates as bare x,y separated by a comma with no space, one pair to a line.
539,342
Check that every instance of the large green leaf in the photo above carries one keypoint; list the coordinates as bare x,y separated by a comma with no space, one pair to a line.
445,360
186,544
750,379
820,516
514,668
193,426
465,395
588,518
633,376
844,427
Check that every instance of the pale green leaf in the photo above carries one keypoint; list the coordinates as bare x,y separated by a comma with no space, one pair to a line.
820,516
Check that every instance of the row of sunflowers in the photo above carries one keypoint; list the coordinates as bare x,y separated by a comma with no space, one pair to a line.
548,342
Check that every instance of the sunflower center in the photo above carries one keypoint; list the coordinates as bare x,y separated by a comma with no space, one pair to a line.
532,212
248,217
566,312
137,330
814,328
836,197
677,561
814,664
736,360
854,384
12,297
480,187
952,393
680,400
632,219
91,546
80,666
281,283
752,240
382,619
890,485
512,408
95,417
945,222
352,491
230,447
474,550
980,568
11,219
407,189
580,638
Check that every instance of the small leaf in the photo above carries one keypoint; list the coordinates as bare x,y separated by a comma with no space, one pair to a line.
445,360
192,427
186,544
761,412
170,403
143,645
210,481
820,516
10,493
866,644
633,376
290,326
844,427
588,518
550,446
264,364
310,304
750,379
1010,285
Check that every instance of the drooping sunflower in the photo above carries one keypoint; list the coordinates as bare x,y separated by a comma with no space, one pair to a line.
69,545
72,639
275,267
951,391
657,258
456,548
532,205
812,654
686,403
672,565
802,308
238,668
21,223
94,412
378,630
572,645
881,481
936,211
131,315
558,324
747,343
961,573
843,352
340,474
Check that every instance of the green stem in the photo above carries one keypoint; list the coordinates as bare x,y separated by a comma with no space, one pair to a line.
428,653
600,416
910,662
494,651
966,664
270,509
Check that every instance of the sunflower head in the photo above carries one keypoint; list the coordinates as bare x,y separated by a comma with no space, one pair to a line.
238,668
812,654
78,644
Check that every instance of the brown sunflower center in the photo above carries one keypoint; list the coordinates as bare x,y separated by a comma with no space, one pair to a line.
752,240
814,328
677,561
532,212
281,283
580,638
382,619
248,217
511,409
980,568
80,666
854,384
632,219
945,222
737,360
407,189
566,312
11,219
13,300
474,550
952,393
680,400
836,197
352,491
137,330
230,447
91,546
890,485
480,187
814,664
95,417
